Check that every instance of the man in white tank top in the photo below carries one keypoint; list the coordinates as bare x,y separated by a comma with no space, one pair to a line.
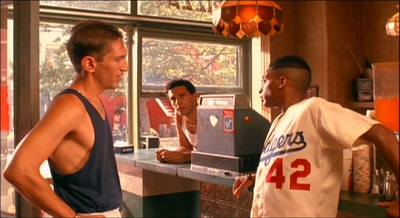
183,97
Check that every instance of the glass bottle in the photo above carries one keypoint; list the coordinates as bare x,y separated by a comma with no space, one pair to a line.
375,184
389,187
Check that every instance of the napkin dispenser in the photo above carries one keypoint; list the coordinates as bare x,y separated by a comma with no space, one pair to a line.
363,89
122,147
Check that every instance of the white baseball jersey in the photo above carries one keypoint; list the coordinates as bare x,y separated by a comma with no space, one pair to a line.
300,169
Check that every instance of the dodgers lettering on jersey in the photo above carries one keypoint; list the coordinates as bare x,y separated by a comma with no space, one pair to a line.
285,144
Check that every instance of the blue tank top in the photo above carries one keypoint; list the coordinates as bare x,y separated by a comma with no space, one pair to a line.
95,187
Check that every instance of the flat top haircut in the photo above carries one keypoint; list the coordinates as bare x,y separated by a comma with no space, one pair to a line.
295,69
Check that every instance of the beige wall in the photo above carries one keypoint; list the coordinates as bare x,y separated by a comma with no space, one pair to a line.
319,32
377,46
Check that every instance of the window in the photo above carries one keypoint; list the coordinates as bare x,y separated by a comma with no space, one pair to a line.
107,6
56,71
188,10
211,64
7,104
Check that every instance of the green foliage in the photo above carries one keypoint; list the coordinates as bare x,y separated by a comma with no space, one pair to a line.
109,6
201,10
58,74
203,64
55,76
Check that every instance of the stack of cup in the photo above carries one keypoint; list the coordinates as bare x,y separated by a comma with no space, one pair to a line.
362,168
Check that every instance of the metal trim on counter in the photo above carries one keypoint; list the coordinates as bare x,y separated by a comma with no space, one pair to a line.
131,158
166,168
211,177
127,159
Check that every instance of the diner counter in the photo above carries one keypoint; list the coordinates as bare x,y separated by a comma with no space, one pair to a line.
359,204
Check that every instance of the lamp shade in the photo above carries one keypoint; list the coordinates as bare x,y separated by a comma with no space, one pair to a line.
392,25
247,18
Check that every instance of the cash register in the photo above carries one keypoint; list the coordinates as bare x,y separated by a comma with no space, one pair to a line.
231,135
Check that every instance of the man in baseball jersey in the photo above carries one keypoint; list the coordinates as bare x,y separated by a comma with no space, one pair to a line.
300,169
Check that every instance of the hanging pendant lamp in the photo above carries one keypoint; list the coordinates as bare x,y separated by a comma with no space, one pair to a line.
247,18
392,25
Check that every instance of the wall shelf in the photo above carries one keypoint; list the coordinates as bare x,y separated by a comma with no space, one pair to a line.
366,104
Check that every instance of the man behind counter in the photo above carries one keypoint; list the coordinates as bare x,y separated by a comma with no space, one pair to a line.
183,97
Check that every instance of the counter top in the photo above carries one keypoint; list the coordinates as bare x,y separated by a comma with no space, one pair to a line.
145,159
350,202
361,204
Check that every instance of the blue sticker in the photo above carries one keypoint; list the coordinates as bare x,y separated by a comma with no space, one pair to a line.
228,123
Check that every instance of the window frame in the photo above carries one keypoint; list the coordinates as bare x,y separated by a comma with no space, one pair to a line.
243,66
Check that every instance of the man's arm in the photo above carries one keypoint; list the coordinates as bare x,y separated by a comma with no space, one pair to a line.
388,145
182,153
242,182
23,170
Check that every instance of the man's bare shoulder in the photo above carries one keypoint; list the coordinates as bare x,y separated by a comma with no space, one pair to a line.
65,107
67,99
